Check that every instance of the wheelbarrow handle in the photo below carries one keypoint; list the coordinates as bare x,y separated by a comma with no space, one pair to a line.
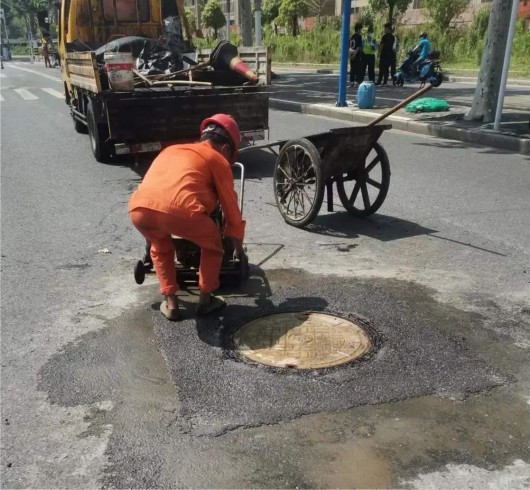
400,105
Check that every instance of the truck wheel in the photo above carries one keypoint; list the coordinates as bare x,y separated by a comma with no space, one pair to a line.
98,135
79,126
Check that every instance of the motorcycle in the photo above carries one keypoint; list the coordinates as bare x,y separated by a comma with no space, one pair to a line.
429,70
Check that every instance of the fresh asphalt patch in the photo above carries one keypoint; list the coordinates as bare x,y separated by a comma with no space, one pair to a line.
420,349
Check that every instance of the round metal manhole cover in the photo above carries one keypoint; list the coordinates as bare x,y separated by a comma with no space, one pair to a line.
302,340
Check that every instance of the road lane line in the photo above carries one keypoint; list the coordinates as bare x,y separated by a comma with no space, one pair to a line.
53,92
1,98
25,94
36,73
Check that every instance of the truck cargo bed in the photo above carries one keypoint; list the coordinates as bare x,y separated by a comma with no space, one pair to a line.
173,114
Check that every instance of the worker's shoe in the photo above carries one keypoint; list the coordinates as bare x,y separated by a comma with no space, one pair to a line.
215,303
170,314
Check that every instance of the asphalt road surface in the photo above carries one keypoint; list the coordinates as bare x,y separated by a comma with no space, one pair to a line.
99,391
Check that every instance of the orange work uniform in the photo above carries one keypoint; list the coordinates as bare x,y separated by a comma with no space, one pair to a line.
180,190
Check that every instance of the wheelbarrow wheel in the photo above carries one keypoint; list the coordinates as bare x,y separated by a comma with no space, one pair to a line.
298,182
363,191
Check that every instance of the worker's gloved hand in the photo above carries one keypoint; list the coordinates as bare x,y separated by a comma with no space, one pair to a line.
238,247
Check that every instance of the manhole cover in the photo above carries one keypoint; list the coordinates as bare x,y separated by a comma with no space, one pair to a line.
302,340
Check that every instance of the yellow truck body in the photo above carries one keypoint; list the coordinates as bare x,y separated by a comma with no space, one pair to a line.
146,119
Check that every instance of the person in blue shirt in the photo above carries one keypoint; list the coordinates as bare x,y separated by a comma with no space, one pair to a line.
423,48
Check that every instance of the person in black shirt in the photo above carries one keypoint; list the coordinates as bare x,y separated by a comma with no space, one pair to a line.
394,57
387,54
356,56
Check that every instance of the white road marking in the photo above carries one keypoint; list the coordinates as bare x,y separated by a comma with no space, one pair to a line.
25,94
16,67
1,98
53,92
2,75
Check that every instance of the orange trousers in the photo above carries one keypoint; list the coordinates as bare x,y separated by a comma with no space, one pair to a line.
200,229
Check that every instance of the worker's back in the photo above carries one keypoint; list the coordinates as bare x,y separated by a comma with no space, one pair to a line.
180,178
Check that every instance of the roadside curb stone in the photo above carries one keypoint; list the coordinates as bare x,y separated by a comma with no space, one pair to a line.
482,137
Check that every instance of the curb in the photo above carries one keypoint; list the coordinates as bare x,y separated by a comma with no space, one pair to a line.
485,138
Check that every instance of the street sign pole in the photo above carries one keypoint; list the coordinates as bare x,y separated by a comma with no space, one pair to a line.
344,52
506,65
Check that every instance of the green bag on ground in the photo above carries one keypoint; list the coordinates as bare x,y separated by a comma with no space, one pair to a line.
427,105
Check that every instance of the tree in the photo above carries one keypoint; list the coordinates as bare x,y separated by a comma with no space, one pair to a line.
317,7
191,18
27,9
271,10
394,7
289,12
245,10
442,12
484,102
213,17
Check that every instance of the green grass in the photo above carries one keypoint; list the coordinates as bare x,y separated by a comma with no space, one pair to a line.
461,49
469,68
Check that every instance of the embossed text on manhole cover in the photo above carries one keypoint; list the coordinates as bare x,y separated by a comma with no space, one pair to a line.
302,340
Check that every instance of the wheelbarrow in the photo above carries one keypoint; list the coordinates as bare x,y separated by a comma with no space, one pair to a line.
307,168
351,158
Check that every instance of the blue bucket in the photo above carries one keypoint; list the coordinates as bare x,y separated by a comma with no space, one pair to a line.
366,95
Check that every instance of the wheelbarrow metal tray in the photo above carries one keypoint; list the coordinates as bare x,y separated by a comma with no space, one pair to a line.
342,149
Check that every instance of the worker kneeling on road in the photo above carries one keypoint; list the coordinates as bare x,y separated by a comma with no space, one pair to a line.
183,186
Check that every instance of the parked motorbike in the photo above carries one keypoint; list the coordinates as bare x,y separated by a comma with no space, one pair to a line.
429,70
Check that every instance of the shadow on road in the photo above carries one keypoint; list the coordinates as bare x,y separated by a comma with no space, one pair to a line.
379,226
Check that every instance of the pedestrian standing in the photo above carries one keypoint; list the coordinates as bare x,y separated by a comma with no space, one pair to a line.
394,58
356,56
386,55
369,51
46,55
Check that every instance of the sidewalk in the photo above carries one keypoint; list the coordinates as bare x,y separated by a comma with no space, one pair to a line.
463,76
315,94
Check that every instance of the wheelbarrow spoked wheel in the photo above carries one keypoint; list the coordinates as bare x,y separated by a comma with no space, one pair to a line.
298,182
362,193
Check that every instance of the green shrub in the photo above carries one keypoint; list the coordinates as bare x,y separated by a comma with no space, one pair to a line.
20,50
461,45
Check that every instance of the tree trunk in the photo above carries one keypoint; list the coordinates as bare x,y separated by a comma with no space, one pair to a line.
197,15
294,23
246,22
391,12
484,102
228,27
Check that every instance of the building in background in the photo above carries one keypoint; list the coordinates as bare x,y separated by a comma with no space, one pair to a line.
417,14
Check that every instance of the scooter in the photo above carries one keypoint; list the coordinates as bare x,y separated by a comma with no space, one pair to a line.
429,70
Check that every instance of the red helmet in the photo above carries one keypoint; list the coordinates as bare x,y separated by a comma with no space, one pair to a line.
228,123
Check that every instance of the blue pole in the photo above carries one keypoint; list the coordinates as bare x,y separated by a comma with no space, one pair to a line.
344,52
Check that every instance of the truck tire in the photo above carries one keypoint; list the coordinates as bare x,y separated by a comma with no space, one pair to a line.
98,134
79,126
